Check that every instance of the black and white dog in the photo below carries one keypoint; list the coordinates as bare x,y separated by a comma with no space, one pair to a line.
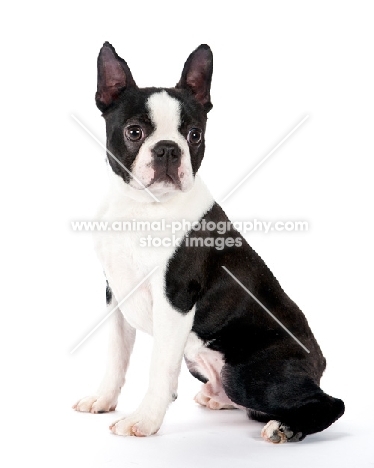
190,304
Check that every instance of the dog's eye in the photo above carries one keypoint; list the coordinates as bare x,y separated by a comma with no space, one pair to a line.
194,136
134,133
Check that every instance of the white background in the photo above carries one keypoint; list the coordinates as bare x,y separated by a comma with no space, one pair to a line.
275,62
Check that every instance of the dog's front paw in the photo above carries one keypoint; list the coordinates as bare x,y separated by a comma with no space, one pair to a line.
96,404
135,425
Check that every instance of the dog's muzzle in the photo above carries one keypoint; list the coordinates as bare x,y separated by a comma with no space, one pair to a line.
167,157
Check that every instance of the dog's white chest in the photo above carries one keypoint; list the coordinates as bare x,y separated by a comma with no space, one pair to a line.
128,256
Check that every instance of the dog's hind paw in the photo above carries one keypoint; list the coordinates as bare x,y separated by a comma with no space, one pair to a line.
95,404
212,402
214,397
277,433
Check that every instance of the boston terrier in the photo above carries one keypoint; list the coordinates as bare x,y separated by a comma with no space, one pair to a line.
205,297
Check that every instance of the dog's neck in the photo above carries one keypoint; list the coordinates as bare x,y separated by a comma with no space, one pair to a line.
177,206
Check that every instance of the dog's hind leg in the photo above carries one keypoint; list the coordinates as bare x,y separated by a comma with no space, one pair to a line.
120,347
207,367
281,392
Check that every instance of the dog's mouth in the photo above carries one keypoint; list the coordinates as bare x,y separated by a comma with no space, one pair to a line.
163,180
140,185
167,180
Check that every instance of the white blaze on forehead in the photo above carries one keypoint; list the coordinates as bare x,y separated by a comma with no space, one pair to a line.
165,114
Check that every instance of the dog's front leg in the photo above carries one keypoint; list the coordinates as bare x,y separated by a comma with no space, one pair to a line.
170,332
121,343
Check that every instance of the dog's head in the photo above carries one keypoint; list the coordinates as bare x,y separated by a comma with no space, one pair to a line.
155,136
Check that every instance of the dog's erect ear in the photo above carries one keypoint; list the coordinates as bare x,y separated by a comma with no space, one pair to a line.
113,76
197,75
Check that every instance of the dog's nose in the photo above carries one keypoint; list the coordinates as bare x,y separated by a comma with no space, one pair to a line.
167,151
